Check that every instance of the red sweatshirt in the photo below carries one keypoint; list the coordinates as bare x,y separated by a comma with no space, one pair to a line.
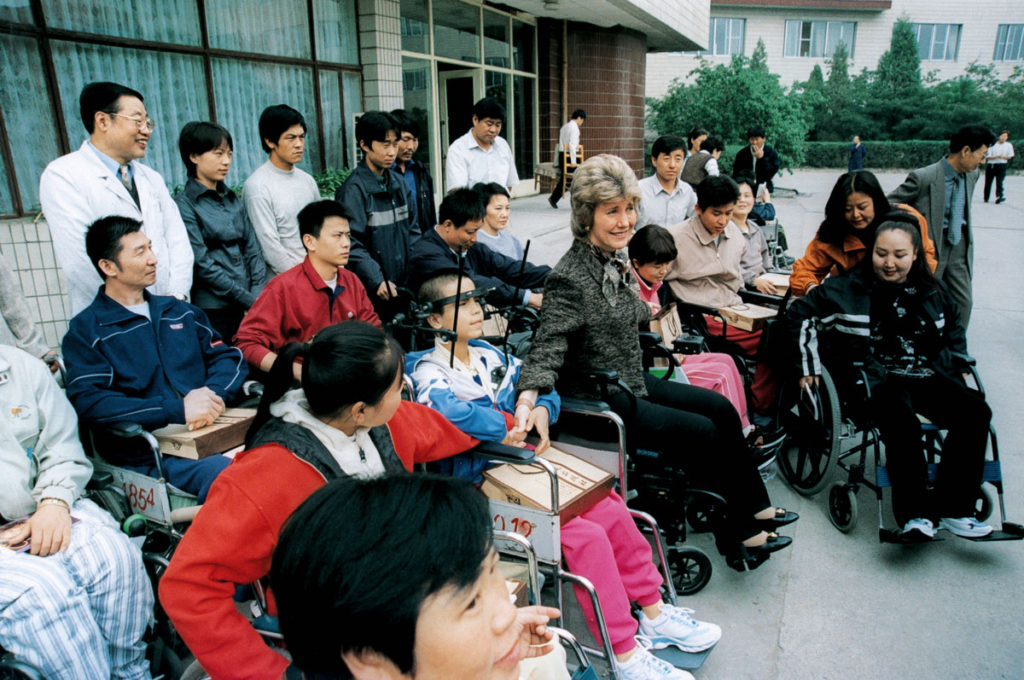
295,305
231,542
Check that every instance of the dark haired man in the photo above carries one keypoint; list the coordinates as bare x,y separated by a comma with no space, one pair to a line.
704,163
758,159
481,155
104,177
315,293
148,359
229,267
277,190
942,193
461,217
383,222
665,198
421,184
568,140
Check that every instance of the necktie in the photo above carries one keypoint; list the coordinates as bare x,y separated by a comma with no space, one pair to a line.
126,179
956,213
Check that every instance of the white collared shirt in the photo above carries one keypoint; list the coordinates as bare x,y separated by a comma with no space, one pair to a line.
657,206
568,136
999,149
469,163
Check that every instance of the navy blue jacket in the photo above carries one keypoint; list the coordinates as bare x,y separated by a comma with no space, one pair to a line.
124,368
487,268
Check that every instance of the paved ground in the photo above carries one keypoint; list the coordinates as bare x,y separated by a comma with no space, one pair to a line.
842,605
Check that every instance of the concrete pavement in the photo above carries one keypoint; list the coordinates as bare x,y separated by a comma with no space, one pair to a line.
842,605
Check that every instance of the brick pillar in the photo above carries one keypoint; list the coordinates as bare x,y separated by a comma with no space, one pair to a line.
380,53
549,82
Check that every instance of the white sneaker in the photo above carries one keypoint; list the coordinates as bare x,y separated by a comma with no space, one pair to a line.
675,626
918,529
968,527
645,666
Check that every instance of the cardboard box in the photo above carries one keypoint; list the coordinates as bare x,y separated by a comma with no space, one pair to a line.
780,281
580,485
746,317
226,433
666,324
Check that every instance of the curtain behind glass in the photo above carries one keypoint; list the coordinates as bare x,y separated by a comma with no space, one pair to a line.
334,119
171,21
525,126
419,103
30,127
336,31
173,86
249,26
6,203
243,89
456,30
19,11
352,98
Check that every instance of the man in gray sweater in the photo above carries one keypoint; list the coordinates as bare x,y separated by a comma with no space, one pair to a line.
276,192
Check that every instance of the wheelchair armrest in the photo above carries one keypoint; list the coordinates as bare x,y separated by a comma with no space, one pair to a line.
600,375
126,429
500,453
961,359
649,339
691,308
759,297
99,481
129,430
571,405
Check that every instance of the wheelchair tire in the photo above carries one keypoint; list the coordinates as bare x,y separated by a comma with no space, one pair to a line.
842,506
699,512
985,504
691,569
810,454
191,670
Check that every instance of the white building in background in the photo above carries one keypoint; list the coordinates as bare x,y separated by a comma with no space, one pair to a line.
801,33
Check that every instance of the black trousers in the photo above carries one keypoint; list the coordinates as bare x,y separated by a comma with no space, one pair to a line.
995,171
894,406
700,431
557,193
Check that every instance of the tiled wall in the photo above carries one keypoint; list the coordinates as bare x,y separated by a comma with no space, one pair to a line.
28,250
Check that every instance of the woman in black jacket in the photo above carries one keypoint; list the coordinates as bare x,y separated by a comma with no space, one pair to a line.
590,319
891,313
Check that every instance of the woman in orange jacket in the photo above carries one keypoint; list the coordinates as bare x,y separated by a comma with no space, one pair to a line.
855,208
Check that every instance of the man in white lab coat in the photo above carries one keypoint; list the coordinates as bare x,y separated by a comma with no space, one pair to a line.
104,177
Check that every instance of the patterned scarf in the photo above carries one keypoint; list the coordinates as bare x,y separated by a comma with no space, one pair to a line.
614,268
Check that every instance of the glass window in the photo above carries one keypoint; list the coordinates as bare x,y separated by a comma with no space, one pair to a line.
18,11
1008,43
172,21
415,25
496,45
937,42
456,30
6,201
352,102
522,46
818,39
525,125
496,85
337,37
248,26
243,89
28,117
725,37
419,103
334,119
172,84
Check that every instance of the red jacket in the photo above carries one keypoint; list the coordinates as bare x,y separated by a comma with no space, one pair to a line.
295,305
231,542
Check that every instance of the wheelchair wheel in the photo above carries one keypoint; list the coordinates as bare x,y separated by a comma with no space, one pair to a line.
192,670
985,504
842,506
811,451
691,569
699,512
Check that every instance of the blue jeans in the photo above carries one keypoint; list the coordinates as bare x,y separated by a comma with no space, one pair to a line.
191,476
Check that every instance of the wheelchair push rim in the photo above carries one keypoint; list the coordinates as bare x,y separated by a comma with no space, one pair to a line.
810,454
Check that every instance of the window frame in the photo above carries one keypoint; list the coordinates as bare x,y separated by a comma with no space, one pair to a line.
815,33
1004,33
713,47
918,27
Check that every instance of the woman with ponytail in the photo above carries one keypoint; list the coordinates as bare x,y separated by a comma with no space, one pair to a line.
347,420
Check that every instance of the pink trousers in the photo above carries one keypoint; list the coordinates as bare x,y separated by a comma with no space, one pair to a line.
604,546
716,371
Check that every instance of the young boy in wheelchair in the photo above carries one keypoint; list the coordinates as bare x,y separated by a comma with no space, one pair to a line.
477,392
892,314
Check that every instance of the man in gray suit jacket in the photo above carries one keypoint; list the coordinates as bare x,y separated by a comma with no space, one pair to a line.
942,193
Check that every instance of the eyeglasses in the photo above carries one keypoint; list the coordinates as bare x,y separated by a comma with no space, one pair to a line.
139,122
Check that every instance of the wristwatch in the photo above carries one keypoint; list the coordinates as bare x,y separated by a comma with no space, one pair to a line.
54,501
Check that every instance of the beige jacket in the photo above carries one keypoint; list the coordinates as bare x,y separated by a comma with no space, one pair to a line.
706,273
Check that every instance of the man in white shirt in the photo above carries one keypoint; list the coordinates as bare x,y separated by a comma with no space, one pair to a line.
481,155
568,140
665,199
276,192
104,177
999,154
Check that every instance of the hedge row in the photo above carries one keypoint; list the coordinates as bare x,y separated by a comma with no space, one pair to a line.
881,155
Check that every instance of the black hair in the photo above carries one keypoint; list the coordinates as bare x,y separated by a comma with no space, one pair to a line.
404,122
834,228
745,178
374,126
973,136
712,144
433,288
102,97
103,238
198,137
489,190
358,559
344,363
277,120
578,113
667,144
461,206
755,131
695,133
920,273
489,107
313,216
652,244
715,191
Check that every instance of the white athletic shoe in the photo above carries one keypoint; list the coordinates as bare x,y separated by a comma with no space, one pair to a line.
968,527
675,626
645,666
918,529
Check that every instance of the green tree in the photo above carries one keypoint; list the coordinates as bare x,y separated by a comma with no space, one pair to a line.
899,69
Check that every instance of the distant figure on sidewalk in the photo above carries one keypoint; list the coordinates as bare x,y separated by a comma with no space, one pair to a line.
758,159
999,154
568,140
858,152
696,137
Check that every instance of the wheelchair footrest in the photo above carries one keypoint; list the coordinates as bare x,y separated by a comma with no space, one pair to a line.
686,660
998,536
896,536
992,472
